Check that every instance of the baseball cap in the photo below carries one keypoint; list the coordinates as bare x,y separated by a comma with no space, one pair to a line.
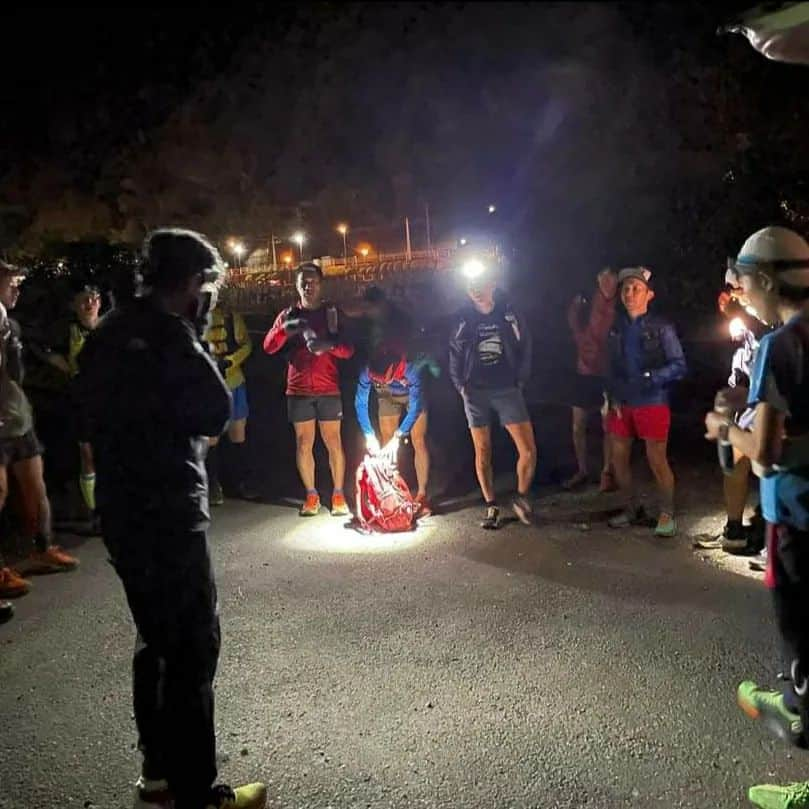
640,273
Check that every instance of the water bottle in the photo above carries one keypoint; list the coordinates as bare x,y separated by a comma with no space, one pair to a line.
724,449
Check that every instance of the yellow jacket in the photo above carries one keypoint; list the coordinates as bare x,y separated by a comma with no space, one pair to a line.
229,341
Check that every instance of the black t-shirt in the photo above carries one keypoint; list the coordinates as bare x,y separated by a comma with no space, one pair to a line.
490,368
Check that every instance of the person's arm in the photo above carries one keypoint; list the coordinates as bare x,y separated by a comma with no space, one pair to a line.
763,442
243,341
276,338
197,396
361,399
526,350
414,399
575,313
675,366
602,316
456,356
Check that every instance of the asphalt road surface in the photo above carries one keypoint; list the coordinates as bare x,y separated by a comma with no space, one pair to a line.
557,665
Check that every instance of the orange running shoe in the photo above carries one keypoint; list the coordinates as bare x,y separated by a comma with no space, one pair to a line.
12,585
52,560
339,507
311,506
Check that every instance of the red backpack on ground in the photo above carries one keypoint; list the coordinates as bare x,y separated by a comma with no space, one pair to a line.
384,502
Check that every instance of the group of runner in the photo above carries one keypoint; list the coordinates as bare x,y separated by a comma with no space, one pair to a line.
633,358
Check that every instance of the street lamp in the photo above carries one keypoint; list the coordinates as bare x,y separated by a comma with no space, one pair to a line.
237,248
492,208
364,252
343,230
287,259
299,238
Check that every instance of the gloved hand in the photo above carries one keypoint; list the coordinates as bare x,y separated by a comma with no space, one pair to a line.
292,325
371,444
224,363
318,346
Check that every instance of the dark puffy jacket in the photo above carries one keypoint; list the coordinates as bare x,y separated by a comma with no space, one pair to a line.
661,361
462,344
150,395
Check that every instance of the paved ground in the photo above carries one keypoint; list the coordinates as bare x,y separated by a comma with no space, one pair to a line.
560,665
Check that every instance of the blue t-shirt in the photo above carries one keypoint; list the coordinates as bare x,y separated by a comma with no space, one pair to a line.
781,378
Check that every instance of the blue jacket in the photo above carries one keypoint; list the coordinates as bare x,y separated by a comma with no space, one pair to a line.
406,383
516,344
645,359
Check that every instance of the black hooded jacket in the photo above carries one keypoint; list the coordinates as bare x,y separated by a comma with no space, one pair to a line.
150,395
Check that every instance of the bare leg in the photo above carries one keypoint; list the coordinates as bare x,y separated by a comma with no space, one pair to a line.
36,509
622,467
421,453
580,440
330,433
735,488
607,467
304,452
522,434
482,440
659,463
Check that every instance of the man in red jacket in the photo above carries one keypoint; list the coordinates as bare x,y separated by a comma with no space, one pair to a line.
309,332
590,330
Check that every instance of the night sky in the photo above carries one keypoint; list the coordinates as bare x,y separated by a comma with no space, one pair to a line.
605,133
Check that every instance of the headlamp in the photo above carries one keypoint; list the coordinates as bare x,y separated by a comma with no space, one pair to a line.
473,269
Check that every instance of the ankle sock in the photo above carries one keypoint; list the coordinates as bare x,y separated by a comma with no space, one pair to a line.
87,484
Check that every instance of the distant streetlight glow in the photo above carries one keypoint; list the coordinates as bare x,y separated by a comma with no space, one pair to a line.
287,258
342,229
463,242
364,252
492,208
299,238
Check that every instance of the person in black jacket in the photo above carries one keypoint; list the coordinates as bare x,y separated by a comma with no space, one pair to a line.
489,362
152,396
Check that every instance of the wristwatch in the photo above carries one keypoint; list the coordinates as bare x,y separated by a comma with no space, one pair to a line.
724,430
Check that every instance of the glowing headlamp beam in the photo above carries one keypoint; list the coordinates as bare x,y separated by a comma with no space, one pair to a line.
473,268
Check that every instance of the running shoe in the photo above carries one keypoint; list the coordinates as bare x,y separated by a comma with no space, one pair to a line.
216,497
51,560
522,508
759,563
629,517
12,585
771,796
731,532
251,796
666,526
579,479
311,506
769,707
491,522
339,507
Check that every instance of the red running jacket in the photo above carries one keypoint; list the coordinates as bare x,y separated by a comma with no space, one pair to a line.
591,338
309,374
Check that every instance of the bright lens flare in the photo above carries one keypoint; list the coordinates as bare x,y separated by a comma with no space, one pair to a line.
737,328
473,268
